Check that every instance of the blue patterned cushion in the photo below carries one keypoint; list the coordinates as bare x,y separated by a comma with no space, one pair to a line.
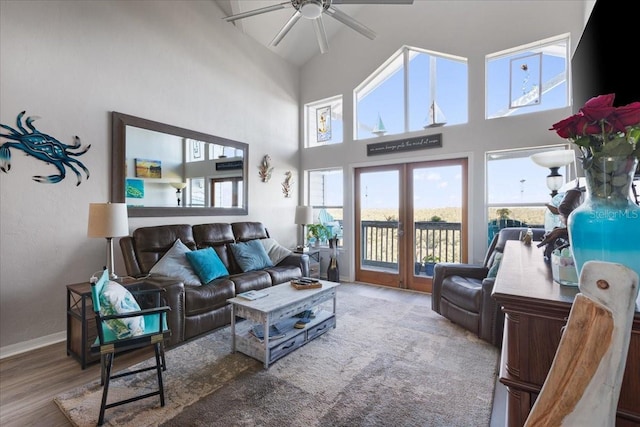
207,264
250,255
493,271
116,299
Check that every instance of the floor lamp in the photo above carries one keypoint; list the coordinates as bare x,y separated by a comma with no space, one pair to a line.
108,220
304,216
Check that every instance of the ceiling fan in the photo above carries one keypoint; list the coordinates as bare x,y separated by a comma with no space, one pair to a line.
313,10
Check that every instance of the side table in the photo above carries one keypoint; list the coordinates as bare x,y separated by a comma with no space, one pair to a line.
81,324
314,262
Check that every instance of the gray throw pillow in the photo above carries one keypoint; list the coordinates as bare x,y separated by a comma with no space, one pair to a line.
175,264
250,255
275,251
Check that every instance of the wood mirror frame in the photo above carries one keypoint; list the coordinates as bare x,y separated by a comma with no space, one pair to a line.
119,123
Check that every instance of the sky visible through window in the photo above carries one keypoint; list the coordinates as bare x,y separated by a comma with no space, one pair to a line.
516,181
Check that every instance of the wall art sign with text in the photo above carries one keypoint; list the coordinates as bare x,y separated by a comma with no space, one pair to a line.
225,166
401,145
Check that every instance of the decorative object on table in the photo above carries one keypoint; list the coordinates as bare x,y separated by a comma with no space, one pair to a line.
304,216
554,160
146,168
134,188
179,186
318,232
286,184
583,385
108,220
333,273
563,267
527,237
430,262
265,169
606,226
44,148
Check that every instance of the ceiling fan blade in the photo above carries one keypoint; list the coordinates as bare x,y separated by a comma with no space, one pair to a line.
287,27
321,34
350,22
257,11
372,2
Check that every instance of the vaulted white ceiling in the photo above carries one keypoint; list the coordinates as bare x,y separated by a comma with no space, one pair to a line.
300,43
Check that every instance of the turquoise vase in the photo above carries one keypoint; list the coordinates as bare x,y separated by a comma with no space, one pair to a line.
606,226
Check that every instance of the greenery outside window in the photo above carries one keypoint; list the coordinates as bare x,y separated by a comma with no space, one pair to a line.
528,78
415,89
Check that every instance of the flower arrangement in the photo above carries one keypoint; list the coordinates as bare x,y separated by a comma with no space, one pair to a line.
601,130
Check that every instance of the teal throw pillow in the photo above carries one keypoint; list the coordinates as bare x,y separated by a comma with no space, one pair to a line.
251,255
493,271
116,299
207,264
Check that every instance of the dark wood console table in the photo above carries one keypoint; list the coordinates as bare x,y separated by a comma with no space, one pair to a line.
536,308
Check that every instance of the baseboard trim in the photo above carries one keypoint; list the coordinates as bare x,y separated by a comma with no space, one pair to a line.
22,347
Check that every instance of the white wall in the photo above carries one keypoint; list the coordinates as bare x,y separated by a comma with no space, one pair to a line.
74,62
470,29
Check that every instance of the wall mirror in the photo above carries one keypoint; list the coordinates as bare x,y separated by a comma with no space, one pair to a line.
163,170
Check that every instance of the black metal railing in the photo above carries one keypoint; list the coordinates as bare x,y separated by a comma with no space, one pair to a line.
435,241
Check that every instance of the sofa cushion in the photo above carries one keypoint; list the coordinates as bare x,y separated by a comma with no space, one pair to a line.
207,264
175,264
250,255
284,273
275,251
208,297
251,280
493,271
464,292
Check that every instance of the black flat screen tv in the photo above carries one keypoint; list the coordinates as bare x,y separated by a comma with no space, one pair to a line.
604,60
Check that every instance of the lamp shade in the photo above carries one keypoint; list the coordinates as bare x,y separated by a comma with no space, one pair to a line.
304,215
108,220
553,159
178,185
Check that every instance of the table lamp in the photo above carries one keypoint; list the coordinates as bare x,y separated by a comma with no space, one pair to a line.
108,220
554,160
304,216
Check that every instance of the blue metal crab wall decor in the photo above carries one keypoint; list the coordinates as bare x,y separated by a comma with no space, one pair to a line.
43,147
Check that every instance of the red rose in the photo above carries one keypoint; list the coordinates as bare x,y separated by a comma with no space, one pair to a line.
628,115
599,108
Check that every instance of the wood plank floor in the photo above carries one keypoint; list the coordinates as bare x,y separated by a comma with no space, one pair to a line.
30,381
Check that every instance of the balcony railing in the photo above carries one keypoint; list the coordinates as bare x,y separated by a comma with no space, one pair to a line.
439,240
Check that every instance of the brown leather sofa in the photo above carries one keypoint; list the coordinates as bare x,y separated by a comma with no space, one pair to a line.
462,292
196,310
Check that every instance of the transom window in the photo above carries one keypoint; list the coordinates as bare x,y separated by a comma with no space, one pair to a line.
413,90
528,78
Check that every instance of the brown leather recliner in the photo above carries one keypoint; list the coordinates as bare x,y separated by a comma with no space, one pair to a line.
462,292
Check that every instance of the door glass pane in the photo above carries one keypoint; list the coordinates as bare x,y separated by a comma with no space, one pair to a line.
379,213
437,201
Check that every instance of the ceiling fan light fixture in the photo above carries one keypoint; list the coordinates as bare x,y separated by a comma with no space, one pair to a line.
311,9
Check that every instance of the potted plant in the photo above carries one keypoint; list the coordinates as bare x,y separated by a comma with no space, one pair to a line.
319,232
429,263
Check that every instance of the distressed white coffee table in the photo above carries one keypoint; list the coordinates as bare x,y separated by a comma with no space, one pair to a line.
280,306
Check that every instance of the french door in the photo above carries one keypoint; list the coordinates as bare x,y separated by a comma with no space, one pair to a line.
409,216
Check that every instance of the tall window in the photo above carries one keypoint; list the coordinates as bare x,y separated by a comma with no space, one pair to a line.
528,78
517,191
323,122
326,198
413,90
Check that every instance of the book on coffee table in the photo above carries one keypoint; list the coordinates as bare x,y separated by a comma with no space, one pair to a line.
253,295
